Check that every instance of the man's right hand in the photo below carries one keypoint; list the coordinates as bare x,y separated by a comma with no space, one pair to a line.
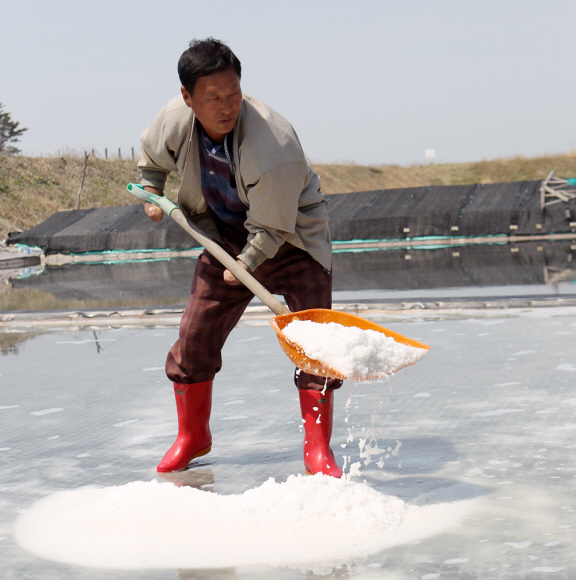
151,210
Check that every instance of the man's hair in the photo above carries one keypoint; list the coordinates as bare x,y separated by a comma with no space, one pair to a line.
203,58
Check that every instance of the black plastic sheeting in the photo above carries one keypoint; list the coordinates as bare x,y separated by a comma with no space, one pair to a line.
528,263
124,227
457,210
475,210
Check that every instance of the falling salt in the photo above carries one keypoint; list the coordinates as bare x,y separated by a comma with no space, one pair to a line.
354,471
355,353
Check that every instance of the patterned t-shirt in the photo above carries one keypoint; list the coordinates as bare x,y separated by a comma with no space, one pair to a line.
215,175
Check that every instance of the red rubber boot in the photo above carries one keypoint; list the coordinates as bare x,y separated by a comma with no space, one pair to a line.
193,404
317,410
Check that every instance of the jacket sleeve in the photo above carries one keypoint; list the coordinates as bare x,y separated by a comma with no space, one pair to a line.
163,142
273,199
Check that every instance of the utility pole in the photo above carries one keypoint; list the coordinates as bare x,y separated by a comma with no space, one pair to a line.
82,182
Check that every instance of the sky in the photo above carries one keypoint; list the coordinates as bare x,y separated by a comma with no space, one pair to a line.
366,82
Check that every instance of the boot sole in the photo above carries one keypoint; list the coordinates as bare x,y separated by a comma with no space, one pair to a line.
204,451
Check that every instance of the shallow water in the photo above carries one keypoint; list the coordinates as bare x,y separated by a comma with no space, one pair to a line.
534,268
488,415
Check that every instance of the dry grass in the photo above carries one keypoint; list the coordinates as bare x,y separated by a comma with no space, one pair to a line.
33,188
346,178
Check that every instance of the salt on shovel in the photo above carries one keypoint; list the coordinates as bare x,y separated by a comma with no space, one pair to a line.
283,315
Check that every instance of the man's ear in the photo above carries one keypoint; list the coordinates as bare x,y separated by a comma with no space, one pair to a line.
186,96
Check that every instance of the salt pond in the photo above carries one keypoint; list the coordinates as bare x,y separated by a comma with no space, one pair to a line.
486,420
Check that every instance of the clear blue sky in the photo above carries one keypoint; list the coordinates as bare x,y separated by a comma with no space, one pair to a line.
375,81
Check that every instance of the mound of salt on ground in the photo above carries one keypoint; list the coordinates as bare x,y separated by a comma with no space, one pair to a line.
160,525
355,353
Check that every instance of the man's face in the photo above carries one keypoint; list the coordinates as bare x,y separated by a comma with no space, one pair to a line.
216,102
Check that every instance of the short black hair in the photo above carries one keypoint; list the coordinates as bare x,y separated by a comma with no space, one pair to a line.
203,58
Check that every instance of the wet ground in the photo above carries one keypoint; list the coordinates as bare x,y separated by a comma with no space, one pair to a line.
488,415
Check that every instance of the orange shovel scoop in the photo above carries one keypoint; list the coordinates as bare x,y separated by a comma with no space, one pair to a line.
283,314
323,316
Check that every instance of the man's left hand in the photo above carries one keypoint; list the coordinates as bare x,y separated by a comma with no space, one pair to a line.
229,278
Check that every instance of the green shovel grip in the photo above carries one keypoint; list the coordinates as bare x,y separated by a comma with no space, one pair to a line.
160,200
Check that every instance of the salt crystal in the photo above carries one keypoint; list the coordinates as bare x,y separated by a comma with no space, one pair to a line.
355,353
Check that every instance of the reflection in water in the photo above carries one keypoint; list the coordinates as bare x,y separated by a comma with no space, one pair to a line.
102,286
197,477
342,572
12,342
168,282
528,263
211,574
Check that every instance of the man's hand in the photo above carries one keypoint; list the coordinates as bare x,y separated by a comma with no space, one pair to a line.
229,278
151,210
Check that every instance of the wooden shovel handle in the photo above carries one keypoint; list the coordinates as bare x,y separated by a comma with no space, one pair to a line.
219,253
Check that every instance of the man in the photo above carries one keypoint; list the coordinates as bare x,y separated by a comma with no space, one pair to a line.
248,185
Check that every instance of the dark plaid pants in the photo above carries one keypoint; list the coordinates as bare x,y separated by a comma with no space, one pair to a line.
215,306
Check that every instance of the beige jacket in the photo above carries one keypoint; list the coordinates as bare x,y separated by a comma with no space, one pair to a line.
275,180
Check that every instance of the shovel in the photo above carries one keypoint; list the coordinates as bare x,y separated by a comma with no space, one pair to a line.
283,314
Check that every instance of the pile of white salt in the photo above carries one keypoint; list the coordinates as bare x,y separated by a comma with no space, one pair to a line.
159,525
355,353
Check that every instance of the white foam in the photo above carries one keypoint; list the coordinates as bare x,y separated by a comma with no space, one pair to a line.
497,412
47,411
122,423
355,353
506,384
519,545
160,525
234,418
566,367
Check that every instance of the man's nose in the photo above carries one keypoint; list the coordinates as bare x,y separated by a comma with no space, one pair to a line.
226,105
